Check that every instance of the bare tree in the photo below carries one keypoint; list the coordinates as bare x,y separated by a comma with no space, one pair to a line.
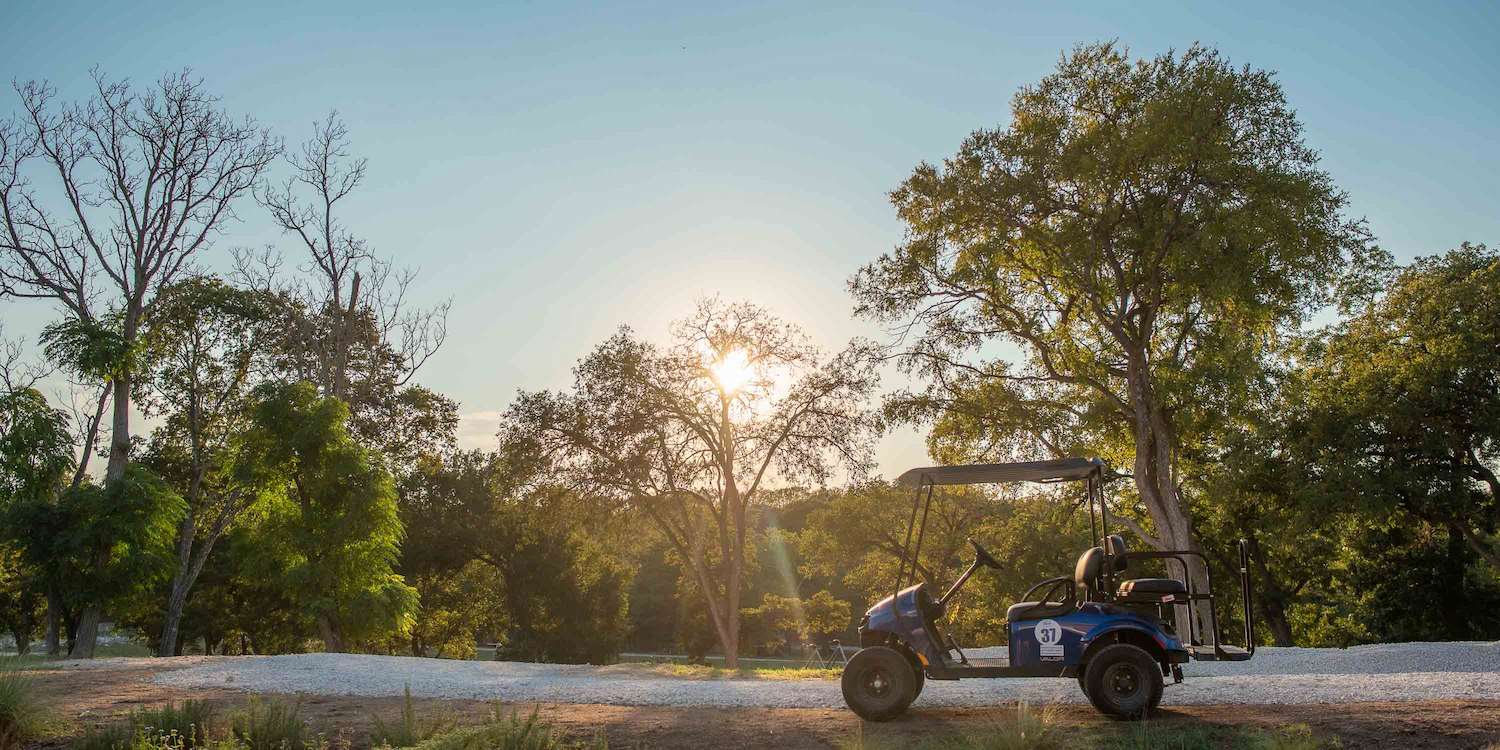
691,434
142,181
359,339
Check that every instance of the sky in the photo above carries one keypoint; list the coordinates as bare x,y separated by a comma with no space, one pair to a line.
558,170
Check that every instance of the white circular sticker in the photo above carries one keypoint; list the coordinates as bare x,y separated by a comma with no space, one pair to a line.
1048,633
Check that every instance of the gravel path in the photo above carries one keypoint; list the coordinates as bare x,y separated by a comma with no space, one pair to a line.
1389,672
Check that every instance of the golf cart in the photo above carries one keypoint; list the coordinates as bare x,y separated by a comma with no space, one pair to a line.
1108,631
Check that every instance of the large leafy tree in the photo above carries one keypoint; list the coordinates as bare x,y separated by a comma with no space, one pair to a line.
206,353
1405,400
138,181
1103,273
691,433
36,455
333,527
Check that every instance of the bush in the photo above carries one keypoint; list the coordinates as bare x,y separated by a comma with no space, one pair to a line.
509,732
171,726
271,725
188,721
409,731
20,713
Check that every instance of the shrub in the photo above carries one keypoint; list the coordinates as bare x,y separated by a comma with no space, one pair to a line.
509,732
20,713
271,725
188,721
409,731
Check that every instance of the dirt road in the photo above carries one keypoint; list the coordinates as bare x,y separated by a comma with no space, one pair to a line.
94,696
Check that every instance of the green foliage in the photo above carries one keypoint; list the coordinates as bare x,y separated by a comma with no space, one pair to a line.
92,348
21,714
409,731
783,619
332,529
271,724
510,732
36,448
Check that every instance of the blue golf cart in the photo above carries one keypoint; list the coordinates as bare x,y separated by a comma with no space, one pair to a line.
1110,632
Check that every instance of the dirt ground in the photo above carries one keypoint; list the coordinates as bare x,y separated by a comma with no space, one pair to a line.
95,696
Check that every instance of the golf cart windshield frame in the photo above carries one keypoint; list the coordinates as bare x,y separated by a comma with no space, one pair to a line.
1091,470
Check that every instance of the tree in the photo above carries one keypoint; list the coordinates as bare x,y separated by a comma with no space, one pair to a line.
206,342
1405,400
146,181
354,333
332,525
689,434
1138,233
36,454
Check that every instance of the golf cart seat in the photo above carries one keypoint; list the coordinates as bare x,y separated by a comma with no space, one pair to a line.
1152,590
1084,581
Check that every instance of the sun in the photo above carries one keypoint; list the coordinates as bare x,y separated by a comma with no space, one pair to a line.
732,370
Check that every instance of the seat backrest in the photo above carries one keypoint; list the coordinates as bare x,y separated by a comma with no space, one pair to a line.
1117,550
1086,572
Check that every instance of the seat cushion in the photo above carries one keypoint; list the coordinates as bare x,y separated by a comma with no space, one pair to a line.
1151,588
1036,610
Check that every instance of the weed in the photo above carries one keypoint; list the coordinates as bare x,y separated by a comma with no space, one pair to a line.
509,732
21,719
406,733
271,725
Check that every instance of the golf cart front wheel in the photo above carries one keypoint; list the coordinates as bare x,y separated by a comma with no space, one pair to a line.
1123,681
879,683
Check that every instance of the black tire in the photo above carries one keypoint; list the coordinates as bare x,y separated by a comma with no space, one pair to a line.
1124,681
921,679
879,683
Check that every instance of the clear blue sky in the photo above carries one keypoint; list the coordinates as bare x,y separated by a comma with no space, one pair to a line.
558,170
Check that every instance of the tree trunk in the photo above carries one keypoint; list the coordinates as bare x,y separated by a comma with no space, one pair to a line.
333,640
87,634
53,639
119,437
1273,613
119,455
1155,479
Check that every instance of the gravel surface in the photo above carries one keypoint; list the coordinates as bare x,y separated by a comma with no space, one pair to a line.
1391,672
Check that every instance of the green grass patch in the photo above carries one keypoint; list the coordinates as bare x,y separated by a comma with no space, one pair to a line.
510,732
271,724
1038,729
176,725
22,718
407,732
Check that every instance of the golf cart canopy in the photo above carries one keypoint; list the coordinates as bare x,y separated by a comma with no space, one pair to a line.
1057,470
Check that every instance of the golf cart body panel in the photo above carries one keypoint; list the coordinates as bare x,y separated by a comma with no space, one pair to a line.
1041,647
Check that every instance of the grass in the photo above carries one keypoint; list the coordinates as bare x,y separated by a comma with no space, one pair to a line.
1029,729
1039,730
271,725
409,731
21,715
177,725
510,732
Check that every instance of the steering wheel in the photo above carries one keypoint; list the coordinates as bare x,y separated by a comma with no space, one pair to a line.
985,558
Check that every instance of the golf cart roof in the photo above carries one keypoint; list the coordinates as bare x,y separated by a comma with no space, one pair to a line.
1057,470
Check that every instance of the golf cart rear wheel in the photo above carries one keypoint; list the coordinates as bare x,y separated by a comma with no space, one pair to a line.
879,683
1123,681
